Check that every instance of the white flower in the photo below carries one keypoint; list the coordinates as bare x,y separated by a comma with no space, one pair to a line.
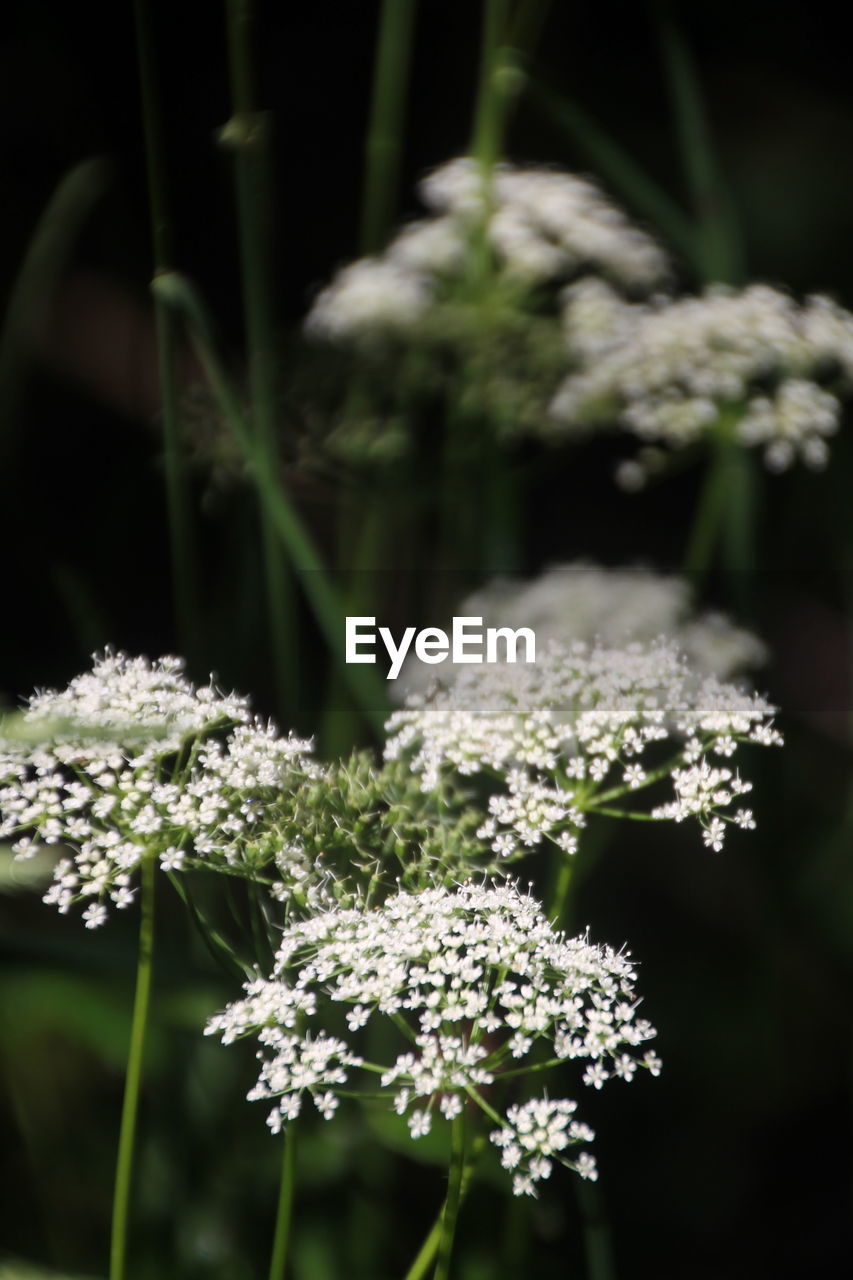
94,915
581,601
524,729
542,226
420,1123
546,225
536,1133
477,974
368,299
667,370
135,760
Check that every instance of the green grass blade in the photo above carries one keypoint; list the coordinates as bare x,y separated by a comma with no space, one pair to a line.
384,143
46,255
618,170
720,247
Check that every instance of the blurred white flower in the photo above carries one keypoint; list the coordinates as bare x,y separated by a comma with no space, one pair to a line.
667,369
474,977
579,730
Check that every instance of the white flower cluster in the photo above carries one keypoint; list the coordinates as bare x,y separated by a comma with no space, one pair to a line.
581,601
535,1134
666,370
579,729
543,227
475,977
135,761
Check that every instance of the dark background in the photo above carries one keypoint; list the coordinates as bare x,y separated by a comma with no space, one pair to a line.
736,1163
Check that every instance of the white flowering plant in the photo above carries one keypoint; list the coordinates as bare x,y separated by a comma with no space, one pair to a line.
582,731
672,369
400,978
481,989
135,763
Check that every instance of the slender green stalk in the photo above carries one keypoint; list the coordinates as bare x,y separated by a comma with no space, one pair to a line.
367,688
562,885
181,533
284,1212
596,1233
133,1075
709,520
427,1252
429,1248
47,252
247,135
454,1197
490,110
720,245
383,146
365,530
619,169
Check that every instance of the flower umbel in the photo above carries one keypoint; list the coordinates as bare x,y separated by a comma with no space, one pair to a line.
137,762
580,729
475,978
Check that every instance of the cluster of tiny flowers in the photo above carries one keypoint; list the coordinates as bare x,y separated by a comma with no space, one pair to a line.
545,225
543,228
538,1132
584,602
666,370
124,771
476,976
574,731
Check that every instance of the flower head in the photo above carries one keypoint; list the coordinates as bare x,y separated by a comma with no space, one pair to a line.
581,601
669,370
473,977
134,761
579,729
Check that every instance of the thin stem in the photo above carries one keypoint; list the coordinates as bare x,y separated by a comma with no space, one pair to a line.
709,520
247,134
368,689
383,145
429,1248
490,111
284,1212
561,888
618,168
133,1075
626,813
427,1252
181,533
719,240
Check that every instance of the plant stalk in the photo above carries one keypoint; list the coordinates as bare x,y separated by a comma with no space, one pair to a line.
247,135
383,146
133,1075
181,533
450,1213
284,1211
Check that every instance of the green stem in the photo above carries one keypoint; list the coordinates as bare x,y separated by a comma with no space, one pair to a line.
450,1213
561,887
133,1076
492,100
383,145
284,1212
247,135
367,688
181,535
720,248
429,1248
711,509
